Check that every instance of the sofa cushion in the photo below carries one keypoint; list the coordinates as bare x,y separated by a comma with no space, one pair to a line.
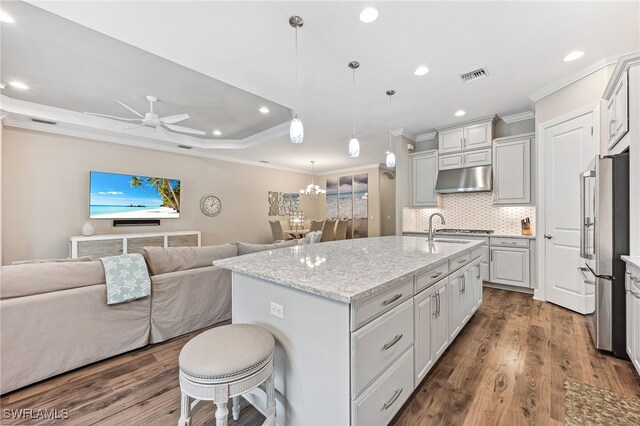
74,259
37,278
246,248
162,260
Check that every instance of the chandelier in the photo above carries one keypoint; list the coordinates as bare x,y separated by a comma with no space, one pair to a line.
312,190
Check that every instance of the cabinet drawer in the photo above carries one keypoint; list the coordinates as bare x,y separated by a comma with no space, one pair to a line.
451,161
459,261
383,399
480,157
510,242
378,344
478,252
365,310
424,280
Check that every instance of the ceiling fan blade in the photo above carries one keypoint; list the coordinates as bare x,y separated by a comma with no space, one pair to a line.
111,116
130,109
164,131
170,119
184,129
133,127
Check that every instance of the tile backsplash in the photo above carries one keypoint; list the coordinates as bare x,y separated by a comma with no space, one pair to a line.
471,211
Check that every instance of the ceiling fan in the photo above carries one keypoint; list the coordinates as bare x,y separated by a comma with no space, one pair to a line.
151,119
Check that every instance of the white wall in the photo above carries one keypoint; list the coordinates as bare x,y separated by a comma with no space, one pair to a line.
45,192
387,203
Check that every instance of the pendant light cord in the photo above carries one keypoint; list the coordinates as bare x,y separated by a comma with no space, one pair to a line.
354,103
389,123
297,91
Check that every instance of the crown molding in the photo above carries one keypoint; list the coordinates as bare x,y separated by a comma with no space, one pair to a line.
404,132
623,63
19,113
521,116
568,79
490,118
426,136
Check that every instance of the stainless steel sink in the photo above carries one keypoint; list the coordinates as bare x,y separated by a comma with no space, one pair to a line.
441,240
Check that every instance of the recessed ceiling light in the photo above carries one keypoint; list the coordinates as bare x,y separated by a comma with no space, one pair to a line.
368,15
19,85
217,132
573,56
460,113
264,110
5,17
421,70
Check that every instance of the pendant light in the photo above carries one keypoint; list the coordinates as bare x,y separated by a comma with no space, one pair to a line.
391,157
354,144
312,190
296,130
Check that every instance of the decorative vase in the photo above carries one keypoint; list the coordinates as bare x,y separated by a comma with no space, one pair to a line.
87,229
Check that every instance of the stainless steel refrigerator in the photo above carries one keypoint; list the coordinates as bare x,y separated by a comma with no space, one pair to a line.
604,237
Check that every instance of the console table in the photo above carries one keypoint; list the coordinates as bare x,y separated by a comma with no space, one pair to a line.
98,246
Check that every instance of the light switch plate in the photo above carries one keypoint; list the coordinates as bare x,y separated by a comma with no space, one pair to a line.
277,310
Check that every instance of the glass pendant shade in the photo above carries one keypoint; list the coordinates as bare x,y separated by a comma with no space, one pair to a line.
354,148
296,131
391,159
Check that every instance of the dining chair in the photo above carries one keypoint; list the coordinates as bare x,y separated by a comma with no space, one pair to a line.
316,225
328,231
276,230
341,229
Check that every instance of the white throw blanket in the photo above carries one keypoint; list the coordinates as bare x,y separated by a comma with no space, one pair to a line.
127,278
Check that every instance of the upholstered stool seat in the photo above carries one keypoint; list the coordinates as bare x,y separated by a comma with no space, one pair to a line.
226,362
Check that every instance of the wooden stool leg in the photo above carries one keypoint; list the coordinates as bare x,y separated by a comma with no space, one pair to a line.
185,410
236,408
270,389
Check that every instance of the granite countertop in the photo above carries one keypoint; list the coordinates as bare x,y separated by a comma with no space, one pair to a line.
462,234
347,270
632,260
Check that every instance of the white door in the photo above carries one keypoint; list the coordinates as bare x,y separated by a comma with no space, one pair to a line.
511,172
477,136
451,161
455,294
510,266
481,157
425,317
423,180
569,146
450,141
441,330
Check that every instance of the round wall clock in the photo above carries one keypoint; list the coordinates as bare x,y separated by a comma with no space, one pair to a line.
211,205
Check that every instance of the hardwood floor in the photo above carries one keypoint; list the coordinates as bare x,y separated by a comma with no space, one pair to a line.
507,367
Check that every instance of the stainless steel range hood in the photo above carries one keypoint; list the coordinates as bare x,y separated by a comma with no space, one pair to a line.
469,179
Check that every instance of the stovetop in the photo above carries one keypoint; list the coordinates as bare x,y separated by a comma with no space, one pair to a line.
466,231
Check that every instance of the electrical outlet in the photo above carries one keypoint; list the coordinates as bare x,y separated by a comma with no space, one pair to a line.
277,310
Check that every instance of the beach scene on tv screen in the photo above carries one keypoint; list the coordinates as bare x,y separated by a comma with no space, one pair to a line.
118,196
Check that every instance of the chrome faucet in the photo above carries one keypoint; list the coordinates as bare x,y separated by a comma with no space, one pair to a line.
431,224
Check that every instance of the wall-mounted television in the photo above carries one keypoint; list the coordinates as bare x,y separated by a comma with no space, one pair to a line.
119,196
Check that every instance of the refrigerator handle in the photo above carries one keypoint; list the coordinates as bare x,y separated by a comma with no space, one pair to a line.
583,228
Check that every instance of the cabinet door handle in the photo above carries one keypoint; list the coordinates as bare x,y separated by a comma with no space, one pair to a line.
392,342
395,396
437,304
393,299
436,275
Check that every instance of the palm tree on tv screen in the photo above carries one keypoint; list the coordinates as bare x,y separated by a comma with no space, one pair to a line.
170,195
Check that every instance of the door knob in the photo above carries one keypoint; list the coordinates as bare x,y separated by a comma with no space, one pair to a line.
548,237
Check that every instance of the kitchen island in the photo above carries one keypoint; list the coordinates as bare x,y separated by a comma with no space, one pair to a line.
358,323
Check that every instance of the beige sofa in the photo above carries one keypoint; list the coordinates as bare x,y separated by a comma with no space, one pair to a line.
54,317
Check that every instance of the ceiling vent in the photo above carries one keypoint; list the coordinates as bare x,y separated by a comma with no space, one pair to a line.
39,120
474,75
185,146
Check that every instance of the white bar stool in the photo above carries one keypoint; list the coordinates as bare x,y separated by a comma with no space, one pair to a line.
224,363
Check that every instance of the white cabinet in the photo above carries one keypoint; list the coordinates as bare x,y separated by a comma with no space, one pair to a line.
510,266
431,316
424,173
474,135
512,170
475,279
450,140
618,111
632,287
477,136
480,157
